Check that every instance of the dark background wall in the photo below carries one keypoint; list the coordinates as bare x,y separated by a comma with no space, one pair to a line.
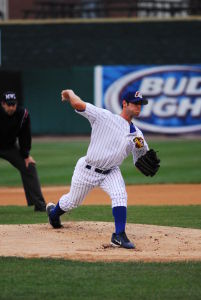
42,96
84,44
39,60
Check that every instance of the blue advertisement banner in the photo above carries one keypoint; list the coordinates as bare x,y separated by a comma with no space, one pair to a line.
174,94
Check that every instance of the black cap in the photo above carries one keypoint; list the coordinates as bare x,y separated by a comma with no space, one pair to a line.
135,97
9,98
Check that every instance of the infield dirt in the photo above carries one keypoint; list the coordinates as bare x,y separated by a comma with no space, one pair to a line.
90,241
159,194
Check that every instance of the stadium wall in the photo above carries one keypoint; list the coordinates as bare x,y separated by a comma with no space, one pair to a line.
50,56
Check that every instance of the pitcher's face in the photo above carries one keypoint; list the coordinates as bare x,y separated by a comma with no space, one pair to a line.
134,109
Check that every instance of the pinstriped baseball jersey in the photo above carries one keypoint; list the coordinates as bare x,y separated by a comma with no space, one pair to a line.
111,140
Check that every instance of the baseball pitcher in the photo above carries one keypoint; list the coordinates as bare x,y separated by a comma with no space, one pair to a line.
113,138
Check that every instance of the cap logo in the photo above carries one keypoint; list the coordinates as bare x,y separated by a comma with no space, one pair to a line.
138,95
10,96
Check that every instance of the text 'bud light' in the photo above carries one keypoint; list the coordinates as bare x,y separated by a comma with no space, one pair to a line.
174,94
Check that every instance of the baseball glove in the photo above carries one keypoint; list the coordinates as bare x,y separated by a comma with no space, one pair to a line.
148,163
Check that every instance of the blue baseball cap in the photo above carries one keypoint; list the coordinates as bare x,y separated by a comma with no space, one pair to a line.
135,97
9,98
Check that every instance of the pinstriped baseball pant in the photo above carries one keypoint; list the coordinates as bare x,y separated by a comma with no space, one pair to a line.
84,180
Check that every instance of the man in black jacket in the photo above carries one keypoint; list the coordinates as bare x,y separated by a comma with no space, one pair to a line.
15,125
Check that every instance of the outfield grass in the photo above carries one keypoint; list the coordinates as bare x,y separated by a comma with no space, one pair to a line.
58,279
181,216
180,163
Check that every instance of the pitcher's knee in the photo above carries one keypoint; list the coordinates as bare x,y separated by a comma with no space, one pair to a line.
119,200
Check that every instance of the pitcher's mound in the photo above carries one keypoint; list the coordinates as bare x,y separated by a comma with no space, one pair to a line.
90,241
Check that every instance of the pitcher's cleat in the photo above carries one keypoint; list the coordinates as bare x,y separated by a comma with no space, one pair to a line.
121,240
53,220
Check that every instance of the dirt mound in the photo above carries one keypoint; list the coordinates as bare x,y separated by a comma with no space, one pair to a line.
89,241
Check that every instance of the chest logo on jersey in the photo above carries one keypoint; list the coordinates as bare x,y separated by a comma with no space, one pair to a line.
139,142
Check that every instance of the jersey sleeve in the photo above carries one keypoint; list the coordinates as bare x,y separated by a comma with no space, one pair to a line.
140,145
92,113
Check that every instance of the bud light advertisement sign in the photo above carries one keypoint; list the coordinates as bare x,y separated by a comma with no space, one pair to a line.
174,94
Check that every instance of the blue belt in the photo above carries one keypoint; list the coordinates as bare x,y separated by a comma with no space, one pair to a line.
98,170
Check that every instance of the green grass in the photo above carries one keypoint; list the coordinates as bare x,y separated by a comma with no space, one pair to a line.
59,279
180,163
181,216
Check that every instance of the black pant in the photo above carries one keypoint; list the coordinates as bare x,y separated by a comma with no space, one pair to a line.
29,177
